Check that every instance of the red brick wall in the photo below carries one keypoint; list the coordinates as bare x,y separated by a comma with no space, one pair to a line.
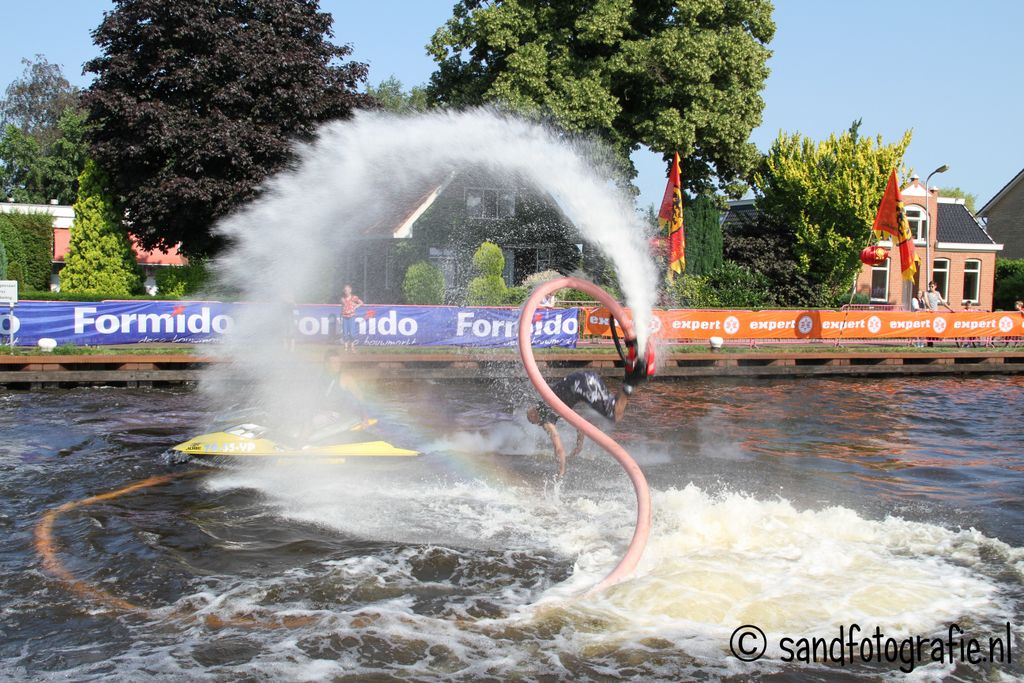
957,259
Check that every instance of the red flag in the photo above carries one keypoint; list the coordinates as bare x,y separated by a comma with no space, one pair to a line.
671,217
892,220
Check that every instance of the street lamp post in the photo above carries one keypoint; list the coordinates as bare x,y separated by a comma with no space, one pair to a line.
931,226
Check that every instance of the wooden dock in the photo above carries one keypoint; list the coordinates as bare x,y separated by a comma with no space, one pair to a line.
133,370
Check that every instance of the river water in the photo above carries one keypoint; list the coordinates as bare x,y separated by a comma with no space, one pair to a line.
798,506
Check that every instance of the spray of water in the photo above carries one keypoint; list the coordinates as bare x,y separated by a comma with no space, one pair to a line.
287,244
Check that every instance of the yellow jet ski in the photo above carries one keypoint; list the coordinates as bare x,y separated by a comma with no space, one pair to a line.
251,441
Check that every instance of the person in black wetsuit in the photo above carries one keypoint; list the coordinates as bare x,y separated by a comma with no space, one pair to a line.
586,386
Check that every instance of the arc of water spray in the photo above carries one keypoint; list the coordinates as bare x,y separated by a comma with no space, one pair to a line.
642,530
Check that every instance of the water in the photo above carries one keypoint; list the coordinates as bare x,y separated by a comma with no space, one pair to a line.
285,246
798,506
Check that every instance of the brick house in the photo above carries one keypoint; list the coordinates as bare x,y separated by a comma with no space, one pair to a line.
962,252
1004,217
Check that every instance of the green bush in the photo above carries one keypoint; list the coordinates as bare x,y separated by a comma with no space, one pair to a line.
858,299
1009,283
3,261
175,282
728,286
515,296
488,260
694,291
486,290
423,284
28,238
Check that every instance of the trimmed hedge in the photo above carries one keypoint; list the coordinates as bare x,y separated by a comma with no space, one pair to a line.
28,241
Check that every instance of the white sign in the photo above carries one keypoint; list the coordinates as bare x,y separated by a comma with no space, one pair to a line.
9,291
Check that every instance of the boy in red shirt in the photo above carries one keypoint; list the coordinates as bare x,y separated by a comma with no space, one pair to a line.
349,303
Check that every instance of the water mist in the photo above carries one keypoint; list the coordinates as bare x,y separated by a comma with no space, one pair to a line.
286,244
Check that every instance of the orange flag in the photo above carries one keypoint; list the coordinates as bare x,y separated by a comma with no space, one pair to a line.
892,220
671,216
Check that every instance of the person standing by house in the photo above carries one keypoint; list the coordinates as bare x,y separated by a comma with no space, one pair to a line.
933,299
349,304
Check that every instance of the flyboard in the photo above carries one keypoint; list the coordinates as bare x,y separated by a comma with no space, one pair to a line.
256,442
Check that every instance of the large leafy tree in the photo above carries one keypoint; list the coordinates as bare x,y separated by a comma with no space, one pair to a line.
42,144
36,102
34,173
100,259
674,75
824,197
196,103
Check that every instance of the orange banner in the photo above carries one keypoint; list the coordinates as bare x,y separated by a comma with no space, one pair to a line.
728,324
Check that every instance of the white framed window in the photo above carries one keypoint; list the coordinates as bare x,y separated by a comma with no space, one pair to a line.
940,274
918,222
484,203
972,280
880,282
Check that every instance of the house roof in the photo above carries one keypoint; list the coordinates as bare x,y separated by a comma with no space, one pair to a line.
403,208
739,212
1007,188
956,224
62,240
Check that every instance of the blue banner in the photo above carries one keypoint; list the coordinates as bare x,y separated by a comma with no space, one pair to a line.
196,322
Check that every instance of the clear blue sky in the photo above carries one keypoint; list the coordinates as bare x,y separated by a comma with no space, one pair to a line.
950,70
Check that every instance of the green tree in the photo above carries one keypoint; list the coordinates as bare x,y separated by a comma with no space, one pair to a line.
423,284
680,76
703,235
100,259
970,199
826,195
35,103
487,288
42,144
32,173
3,260
196,103
391,97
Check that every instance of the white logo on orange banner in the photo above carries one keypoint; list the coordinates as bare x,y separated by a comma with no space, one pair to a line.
939,324
732,325
805,324
1006,324
874,324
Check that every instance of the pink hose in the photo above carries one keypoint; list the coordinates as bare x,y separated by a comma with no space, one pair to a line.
630,560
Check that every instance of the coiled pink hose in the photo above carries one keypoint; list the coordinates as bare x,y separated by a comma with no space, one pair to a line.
636,547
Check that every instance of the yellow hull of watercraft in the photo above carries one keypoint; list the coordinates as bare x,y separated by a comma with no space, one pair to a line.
237,443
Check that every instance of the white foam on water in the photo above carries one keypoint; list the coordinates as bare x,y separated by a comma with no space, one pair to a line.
713,562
